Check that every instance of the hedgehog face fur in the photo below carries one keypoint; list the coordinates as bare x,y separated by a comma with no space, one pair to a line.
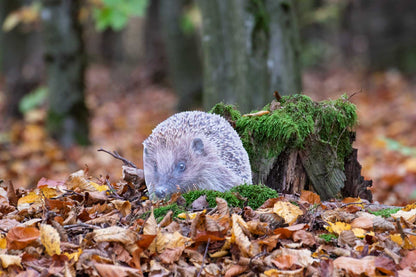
194,150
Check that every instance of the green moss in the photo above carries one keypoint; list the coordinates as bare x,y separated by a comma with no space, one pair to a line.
385,212
231,199
255,194
160,212
297,119
327,237
227,111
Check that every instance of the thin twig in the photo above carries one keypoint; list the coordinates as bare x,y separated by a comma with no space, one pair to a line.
116,155
203,260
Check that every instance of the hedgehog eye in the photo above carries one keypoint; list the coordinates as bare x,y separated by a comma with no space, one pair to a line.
181,166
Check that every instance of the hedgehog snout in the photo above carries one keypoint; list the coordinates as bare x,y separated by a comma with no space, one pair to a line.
160,192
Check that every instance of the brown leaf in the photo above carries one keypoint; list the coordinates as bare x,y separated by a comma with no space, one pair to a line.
284,261
287,232
354,266
171,255
108,270
306,238
310,197
20,237
235,270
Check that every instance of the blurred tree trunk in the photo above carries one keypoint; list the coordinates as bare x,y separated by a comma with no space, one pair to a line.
111,46
156,61
65,60
20,62
250,49
184,61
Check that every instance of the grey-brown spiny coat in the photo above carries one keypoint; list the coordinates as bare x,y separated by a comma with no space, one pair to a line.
194,150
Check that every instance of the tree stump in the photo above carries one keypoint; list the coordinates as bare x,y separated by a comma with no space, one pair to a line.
296,144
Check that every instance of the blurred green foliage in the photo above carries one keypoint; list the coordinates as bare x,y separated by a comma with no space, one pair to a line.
33,100
115,13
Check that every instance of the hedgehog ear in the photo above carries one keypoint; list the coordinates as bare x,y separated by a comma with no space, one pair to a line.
198,146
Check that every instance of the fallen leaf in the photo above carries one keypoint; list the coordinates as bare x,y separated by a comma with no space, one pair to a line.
49,237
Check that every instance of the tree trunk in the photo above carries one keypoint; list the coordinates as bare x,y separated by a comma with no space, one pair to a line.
296,144
65,60
250,49
20,62
182,51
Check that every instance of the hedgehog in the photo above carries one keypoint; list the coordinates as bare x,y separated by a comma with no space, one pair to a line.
194,151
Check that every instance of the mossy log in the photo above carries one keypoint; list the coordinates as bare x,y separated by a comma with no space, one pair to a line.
296,143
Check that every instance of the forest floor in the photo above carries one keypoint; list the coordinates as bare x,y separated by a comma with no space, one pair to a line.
123,113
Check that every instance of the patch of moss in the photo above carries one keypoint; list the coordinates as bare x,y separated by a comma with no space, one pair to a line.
385,212
231,199
227,111
297,119
160,212
327,237
256,194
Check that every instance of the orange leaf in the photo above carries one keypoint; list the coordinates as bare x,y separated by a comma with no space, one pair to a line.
20,237
310,197
284,261
235,270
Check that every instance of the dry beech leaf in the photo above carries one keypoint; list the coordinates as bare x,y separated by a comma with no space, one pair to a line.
20,237
338,227
50,239
284,261
288,211
150,227
8,260
310,197
171,255
303,256
108,270
222,206
306,238
123,206
235,270
356,267
78,180
238,237
409,216
287,232
115,233
347,238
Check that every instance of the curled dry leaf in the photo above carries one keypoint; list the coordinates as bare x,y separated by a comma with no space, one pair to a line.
240,238
50,239
8,260
123,206
356,267
347,238
288,211
310,197
150,227
108,270
222,206
171,255
306,238
78,180
409,216
235,270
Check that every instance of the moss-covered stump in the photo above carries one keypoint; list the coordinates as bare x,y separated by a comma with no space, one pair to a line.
297,144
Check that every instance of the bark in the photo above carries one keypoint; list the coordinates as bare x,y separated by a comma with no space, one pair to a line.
184,61
20,62
65,61
250,49
156,60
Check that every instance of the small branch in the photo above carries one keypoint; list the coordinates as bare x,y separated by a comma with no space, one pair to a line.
203,260
117,156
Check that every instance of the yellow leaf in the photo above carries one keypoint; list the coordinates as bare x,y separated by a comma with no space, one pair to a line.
397,239
3,241
30,198
8,260
50,239
11,21
49,192
190,215
338,227
123,206
288,211
74,255
361,233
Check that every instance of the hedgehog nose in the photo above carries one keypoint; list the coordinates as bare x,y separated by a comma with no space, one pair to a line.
160,193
